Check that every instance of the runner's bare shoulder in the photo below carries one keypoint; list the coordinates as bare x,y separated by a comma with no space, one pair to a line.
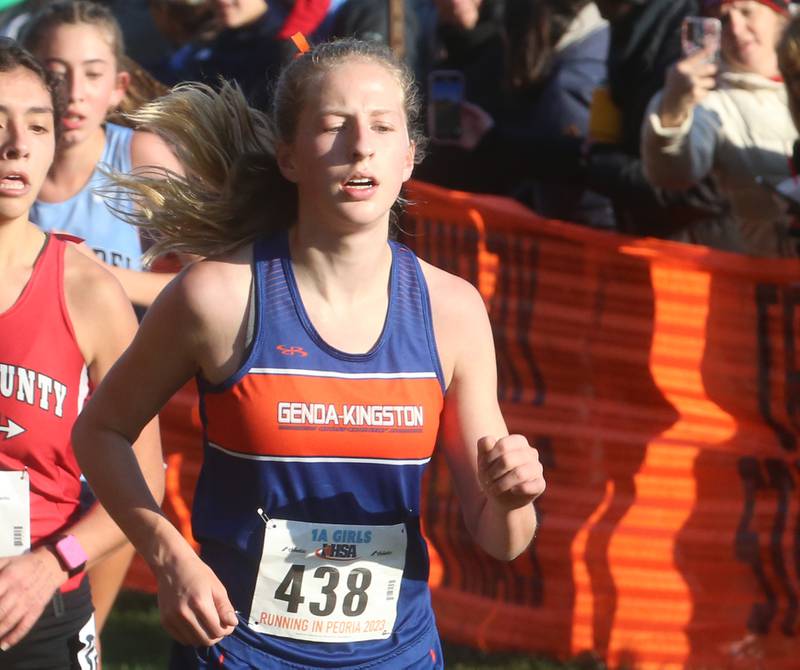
89,287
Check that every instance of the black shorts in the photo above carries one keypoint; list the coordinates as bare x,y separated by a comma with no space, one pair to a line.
63,638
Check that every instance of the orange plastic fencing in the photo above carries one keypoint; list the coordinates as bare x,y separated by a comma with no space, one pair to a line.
661,384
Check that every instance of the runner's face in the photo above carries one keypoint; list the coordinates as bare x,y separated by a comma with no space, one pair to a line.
82,55
27,141
351,152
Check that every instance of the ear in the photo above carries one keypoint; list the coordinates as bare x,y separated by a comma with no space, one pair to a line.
408,166
123,80
286,162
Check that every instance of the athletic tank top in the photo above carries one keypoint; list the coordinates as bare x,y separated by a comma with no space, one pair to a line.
43,384
313,463
86,214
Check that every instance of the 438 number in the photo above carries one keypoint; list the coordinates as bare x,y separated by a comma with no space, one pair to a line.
290,590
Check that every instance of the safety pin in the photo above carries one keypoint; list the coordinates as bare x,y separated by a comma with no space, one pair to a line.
263,515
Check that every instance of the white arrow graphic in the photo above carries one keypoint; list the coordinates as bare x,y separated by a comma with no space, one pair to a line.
12,429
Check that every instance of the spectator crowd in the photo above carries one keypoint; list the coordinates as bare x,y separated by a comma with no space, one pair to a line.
597,113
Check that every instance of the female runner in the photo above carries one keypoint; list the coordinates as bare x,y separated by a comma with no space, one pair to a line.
81,42
328,358
63,322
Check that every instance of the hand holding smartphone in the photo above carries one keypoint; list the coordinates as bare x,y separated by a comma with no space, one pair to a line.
445,97
693,77
701,33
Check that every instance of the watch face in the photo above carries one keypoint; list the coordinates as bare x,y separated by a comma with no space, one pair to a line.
71,553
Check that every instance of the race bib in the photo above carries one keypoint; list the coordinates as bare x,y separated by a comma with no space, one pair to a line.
87,646
328,582
15,512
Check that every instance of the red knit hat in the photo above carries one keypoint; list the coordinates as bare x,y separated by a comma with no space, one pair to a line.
780,6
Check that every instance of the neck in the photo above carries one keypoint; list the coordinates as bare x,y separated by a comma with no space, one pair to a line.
77,161
768,70
20,242
340,267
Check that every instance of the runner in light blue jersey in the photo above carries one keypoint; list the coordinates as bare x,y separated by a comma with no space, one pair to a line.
81,42
86,213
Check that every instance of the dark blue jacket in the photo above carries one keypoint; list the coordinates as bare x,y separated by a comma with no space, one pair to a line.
537,119
251,55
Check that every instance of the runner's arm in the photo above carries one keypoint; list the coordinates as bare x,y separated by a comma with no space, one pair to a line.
497,476
166,352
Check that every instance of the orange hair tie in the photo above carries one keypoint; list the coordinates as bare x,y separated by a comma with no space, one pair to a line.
300,42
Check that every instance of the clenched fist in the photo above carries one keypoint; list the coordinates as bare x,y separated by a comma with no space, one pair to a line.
509,470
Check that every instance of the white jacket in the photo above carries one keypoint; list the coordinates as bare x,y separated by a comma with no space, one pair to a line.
742,130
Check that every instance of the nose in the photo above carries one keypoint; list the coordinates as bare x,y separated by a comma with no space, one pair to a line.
362,140
15,143
76,87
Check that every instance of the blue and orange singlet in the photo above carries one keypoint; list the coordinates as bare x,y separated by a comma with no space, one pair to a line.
308,503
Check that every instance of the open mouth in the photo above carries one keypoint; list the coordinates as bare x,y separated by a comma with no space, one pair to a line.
72,120
361,183
13,182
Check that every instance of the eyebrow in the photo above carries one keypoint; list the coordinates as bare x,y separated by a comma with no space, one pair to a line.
91,61
340,112
30,110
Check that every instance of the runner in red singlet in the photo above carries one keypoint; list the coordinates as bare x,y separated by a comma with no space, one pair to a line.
63,322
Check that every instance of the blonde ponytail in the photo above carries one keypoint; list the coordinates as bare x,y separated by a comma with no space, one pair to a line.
232,192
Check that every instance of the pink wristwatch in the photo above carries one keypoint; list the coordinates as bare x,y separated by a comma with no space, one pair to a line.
70,554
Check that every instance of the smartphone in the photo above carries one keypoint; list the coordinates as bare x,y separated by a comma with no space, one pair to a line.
699,33
445,95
